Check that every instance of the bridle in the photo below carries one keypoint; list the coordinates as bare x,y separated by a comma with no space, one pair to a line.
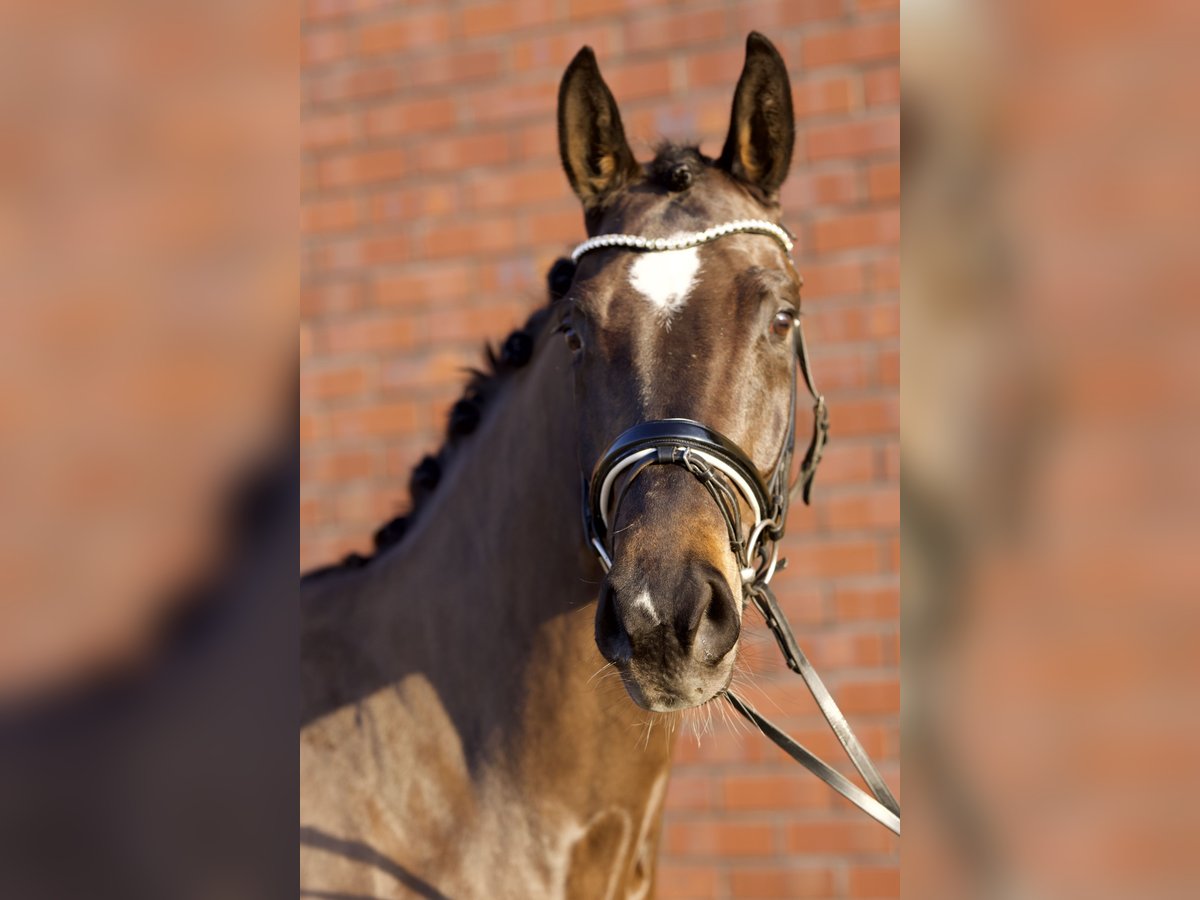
730,478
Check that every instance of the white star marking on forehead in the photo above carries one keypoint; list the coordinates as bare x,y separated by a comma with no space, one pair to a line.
665,278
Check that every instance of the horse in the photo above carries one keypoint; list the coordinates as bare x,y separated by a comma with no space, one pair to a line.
480,696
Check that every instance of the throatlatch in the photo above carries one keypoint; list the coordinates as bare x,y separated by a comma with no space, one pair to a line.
729,476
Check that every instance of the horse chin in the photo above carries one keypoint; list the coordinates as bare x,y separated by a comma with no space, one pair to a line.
656,694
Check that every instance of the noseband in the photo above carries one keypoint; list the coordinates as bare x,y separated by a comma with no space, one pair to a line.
730,477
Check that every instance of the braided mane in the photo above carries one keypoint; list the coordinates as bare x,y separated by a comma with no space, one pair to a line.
465,416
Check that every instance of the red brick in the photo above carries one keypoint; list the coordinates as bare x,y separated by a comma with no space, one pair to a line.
634,81
813,97
845,463
337,214
835,558
690,792
453,154
557,226
555,51
833,651
831,279
871,415
586,9
368,505
515,275
319,48
854,138
410,117
324,11
455,67
413,287
409,374
704,838
324,132
771,16
806,190
336,297
505,16
479,236
337,466
777,883
310,512
881,87
413,202
658,31
328,382
869,696
705,118
514,102
891,462
364,168
372,421
386,248
840,369
874,509
370,333
802,604
873,603
517,190
855,44
883,320
359,84
308,176
883,181
773,792
857,230
538,142
715,67
718,747
874,881
834,324
449,325
849,838
889,366
414,29
686,882
351,254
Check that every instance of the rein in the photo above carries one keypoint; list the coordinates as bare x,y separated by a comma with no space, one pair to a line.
727,473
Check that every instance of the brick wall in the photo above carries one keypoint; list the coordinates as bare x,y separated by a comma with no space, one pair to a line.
432,205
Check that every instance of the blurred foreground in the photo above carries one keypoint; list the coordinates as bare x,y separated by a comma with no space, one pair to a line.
148,271
1049,385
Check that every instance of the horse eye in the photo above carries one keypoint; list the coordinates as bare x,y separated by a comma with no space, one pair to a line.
782,324
573,341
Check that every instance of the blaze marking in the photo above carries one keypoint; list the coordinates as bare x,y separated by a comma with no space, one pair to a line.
665,277
642,602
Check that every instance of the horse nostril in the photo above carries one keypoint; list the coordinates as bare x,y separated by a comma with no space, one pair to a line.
719,626
611,638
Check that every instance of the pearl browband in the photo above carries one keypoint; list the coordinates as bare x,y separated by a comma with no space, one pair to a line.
683,241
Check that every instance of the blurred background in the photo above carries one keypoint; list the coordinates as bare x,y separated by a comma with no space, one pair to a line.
434,203
148,285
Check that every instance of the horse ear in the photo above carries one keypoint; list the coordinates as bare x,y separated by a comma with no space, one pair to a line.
591,140
758,148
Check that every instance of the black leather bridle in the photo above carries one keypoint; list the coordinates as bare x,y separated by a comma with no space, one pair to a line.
731,479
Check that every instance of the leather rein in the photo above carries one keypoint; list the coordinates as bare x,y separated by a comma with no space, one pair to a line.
730,477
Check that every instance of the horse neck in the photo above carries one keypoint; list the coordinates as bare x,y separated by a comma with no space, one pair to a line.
490,597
